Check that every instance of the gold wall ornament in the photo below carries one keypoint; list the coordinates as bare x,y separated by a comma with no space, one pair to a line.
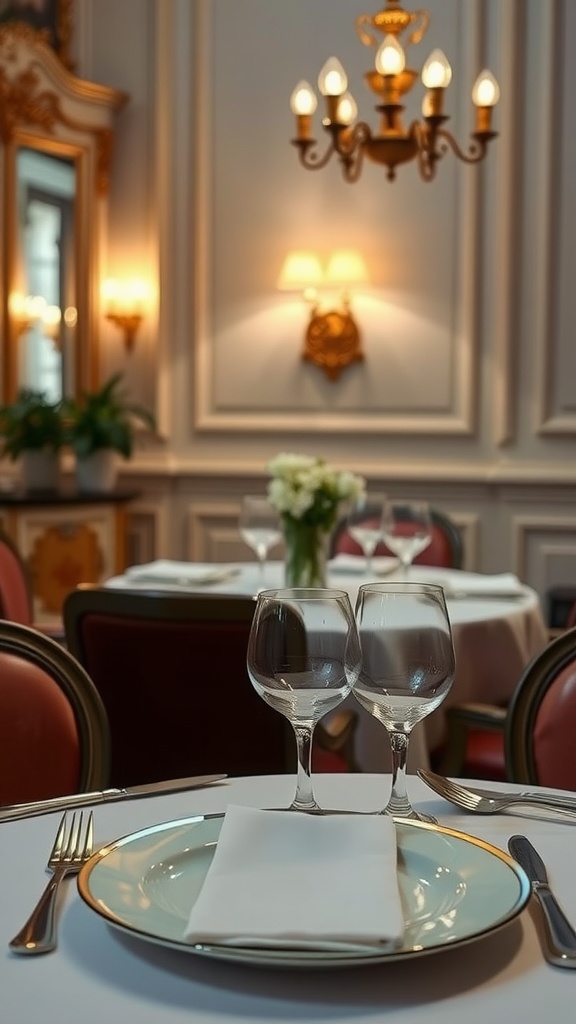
332,341
391,143
332,338
53,26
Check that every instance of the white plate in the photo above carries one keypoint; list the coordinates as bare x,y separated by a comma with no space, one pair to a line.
454,888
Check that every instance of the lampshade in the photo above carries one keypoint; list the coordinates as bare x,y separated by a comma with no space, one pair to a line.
346,267
300,270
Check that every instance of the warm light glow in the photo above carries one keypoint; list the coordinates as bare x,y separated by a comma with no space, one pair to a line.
52,316
347,109
390,58
300,271
70,316
486,91
436,73
346,267
129,296
332,80
303,100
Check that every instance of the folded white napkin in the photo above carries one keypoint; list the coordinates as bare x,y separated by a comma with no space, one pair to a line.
164,570
504,584
288,880
382,564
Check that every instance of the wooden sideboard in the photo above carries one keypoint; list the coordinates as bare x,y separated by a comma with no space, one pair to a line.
66,538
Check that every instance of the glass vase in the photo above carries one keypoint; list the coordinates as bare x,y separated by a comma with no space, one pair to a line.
306,554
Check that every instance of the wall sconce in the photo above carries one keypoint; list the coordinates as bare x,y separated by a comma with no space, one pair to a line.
332,339
124,304
30,310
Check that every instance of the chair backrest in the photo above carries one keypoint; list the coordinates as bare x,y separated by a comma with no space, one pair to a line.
15,589
445,548
541,719
171,671
54,737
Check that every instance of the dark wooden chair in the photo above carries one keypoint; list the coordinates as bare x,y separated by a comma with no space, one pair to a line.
54,735
445,548
171,671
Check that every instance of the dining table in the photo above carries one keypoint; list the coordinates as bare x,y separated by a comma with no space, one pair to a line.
103,971
497,627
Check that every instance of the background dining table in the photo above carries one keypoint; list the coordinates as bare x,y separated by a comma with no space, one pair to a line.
99,973
495,636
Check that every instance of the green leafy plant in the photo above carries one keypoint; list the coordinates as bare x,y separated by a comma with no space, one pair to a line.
104,419
31,423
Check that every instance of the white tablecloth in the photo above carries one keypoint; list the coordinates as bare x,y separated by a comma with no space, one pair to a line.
98,974
494,639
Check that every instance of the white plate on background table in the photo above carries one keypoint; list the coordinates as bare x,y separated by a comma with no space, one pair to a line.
455,888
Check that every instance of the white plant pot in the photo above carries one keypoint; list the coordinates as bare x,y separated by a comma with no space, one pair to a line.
40,470
97,473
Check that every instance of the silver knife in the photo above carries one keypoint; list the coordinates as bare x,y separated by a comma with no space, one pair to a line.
560,946
11,812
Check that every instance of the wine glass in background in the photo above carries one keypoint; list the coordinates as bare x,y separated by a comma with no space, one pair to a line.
407,667
303,660
364,523
260,528
406,530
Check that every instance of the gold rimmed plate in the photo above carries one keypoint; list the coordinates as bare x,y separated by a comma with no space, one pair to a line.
455,888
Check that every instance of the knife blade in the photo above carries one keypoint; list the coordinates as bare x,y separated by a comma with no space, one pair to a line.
560,937
12,812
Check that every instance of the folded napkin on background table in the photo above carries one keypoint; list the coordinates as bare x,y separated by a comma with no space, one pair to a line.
165,570
288,880
504,584
382,565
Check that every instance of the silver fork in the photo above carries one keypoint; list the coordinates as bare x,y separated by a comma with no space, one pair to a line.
487,801
72,847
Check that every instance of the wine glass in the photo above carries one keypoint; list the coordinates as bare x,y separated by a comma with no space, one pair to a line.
260,528
303,659
364,523
407,667
406,530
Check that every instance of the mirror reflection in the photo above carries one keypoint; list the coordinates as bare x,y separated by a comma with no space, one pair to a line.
45,300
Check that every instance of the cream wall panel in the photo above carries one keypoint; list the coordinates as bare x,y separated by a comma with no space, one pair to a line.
249,374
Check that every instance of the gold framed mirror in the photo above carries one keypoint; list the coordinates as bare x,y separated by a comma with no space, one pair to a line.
56,139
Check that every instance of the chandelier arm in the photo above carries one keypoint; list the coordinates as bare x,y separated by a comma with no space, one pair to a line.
427,156
308,155
476,149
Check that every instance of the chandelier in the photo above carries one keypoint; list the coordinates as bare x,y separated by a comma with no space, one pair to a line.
425,140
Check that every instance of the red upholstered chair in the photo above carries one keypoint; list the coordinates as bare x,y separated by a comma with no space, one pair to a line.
171,671
54,737
532,740
541,719
445,548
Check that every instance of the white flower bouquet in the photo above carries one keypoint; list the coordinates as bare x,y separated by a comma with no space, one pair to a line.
307,492
307,488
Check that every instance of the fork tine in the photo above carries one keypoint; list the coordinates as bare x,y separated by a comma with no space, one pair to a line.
88,847
56,850
70,851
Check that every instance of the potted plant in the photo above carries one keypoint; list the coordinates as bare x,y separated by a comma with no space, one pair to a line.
99,427
32,430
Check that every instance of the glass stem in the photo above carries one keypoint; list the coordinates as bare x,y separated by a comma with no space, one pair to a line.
399,803
304,797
